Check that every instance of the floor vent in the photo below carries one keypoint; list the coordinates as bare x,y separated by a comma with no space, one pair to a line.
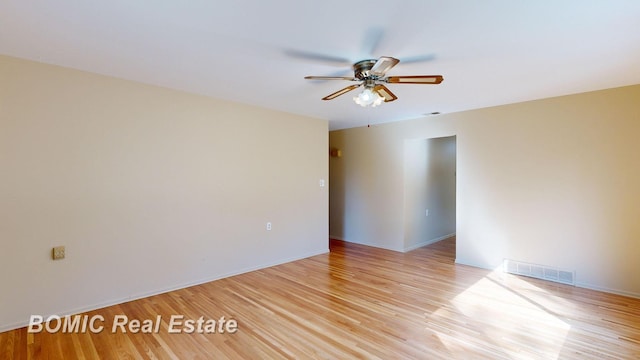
539,271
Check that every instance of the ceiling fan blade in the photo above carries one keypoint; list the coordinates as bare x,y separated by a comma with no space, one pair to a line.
316,57
417,79
372,39
418,58
340,92
385,93
351,78
384,64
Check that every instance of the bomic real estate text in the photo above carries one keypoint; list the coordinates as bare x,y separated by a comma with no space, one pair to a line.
177,324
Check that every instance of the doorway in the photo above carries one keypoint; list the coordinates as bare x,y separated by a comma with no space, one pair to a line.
429,191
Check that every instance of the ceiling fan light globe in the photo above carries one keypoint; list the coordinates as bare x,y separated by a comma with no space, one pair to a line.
366,95
368,98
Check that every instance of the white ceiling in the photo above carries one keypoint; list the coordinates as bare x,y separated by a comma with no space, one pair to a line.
257,52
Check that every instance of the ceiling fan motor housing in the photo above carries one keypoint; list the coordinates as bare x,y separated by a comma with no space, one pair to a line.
362,69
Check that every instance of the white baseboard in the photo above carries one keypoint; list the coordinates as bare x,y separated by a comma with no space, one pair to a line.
608,290
365,244
412,247
428,242
70,312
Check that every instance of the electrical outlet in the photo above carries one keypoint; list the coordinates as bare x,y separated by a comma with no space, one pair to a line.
268,226
426,212
58,253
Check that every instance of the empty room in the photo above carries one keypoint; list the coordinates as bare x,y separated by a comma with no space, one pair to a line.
319,180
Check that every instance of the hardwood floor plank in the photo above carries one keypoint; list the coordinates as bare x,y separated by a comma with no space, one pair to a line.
360,302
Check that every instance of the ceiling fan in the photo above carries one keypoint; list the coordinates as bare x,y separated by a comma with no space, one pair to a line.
372,75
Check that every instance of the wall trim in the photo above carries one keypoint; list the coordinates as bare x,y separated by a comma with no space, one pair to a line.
365,244
608,290
428,242
578,284
70,312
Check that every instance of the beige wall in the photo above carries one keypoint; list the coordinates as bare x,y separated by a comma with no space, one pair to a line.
149,189
552,182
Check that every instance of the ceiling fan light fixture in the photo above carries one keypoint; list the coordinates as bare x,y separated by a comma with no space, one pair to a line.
368,98
372,74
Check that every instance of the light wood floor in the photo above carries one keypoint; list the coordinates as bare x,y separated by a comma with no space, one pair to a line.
363,302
